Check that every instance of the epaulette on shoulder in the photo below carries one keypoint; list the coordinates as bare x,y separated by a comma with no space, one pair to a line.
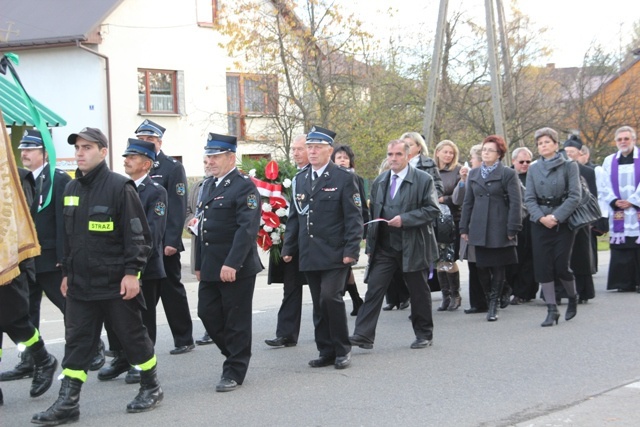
304,169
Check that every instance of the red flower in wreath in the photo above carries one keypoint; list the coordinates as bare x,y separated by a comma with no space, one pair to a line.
271,170
264,240
277,203
271,219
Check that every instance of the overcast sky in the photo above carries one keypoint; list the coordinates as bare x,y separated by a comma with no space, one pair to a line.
573,25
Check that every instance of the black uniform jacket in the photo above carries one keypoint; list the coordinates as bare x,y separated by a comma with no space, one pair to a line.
154,202
106,234
49,221
228,228
329,224
169,173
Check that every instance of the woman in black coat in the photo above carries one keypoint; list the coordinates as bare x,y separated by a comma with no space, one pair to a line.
343,156
491,219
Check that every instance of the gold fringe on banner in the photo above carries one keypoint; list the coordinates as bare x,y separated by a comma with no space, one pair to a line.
18,238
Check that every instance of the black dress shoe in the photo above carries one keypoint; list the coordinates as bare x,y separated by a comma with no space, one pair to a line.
98,360
322,361
404,304
361,342
474,310
388,307
24,368
280,342
205,340
421,343
226,384
343,362
183,349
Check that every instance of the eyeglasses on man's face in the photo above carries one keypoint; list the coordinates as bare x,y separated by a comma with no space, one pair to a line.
522,162
623,139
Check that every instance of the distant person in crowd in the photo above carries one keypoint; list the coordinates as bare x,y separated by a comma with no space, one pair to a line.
343,156
170,173
583,257
520,275
552,194
288,273
325,228
406,198
477,300
193,200
227,260
622,195
491,219
446,158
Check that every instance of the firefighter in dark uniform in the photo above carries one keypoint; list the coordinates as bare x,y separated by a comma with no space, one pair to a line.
139,157
227,259
325,226
106,246
49,226
170,173
14,317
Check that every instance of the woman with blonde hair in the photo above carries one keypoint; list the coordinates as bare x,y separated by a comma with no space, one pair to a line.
446,159
418,158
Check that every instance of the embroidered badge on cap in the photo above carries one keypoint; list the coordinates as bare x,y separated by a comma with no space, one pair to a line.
357,200
252,201
160,209
181,189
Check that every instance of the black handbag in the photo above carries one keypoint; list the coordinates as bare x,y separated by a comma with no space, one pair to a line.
588,209
445,227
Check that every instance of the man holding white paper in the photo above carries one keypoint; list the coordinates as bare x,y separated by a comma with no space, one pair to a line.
406,197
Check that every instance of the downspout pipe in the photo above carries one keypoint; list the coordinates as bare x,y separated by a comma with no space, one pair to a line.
108,77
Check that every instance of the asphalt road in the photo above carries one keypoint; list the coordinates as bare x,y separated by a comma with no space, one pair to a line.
510,372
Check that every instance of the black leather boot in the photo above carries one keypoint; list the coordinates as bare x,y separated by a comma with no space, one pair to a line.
24,368
46,366
355,298
66,408
150,394
454,284
133,376
492,314
572,308
552,315
443,279
98,360
118,365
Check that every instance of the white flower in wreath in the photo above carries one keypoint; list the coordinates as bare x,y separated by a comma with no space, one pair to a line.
282,227
252,173
267,229
262,222
266,207
275,238
281,212
286,183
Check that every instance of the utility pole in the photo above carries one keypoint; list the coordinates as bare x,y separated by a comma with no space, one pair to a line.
431,105
494,68
509,83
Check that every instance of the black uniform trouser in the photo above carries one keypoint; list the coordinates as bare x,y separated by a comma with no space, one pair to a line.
83,324
14,311
290,311
150,290
381,270
397,291
49,283
225,309
175,303
329,313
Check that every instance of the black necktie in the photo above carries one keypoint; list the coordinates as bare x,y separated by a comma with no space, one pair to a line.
213,186
315,180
